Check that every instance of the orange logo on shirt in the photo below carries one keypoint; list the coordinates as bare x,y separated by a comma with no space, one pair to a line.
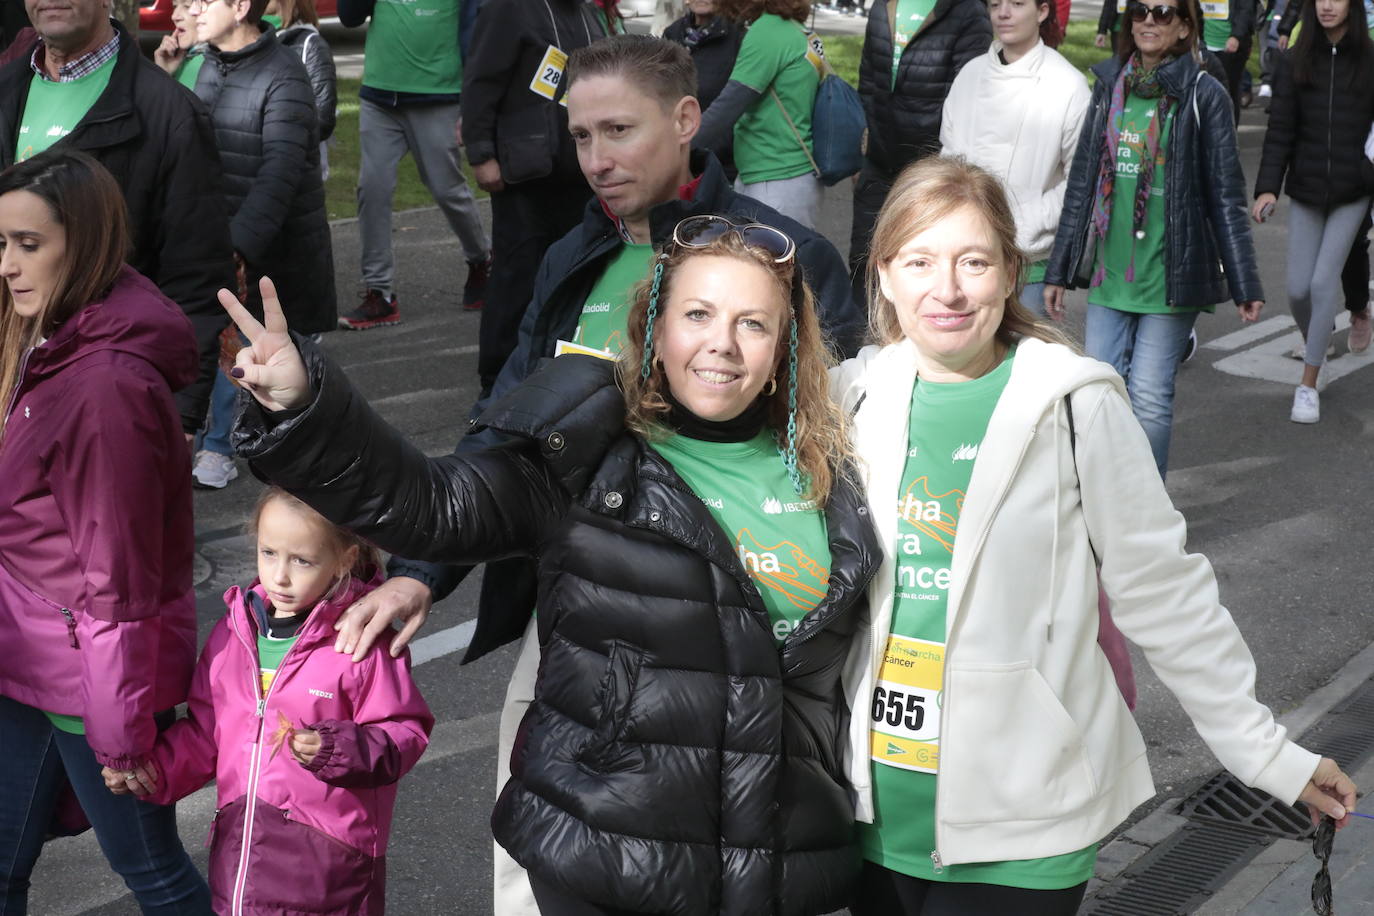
785,568
926,511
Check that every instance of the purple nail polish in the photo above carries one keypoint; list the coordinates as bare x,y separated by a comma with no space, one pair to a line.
236,372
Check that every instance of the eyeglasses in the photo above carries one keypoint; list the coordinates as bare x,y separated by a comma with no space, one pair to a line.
1163,15
1321,883
700,231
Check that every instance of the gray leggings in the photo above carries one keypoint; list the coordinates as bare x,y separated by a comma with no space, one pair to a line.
1318,244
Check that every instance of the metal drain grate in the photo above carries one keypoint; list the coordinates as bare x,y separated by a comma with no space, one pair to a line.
1346,734
1180,874
1226,800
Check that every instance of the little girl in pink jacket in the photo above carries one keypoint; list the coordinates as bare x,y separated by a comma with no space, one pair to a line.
306,746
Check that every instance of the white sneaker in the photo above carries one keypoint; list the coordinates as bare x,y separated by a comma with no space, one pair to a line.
1300,352
212,470
1264,91
1306,406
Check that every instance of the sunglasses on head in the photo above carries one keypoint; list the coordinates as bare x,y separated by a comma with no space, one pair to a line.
1163,15
700,231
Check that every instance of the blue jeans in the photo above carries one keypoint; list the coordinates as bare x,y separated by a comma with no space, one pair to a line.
140,840
1033,298
1146,351
215,438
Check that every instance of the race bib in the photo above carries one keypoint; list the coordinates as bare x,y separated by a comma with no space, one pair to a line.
548,76
906,705
1216,9
567,346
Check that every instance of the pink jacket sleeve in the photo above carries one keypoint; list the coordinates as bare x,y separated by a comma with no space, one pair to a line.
108,483
389,732
185,754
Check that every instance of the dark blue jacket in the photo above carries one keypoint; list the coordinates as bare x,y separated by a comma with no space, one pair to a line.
1206,218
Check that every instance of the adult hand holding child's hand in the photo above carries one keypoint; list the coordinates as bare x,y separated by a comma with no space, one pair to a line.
141,780
305,744
270,367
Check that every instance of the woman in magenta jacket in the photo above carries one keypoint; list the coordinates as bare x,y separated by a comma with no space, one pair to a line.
97,612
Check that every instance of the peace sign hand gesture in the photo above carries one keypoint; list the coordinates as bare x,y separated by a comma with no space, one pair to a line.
270,367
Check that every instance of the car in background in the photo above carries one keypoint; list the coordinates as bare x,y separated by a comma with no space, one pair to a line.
156,15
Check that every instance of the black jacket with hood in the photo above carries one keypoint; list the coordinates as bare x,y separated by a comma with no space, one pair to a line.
155,138
904,119
676,759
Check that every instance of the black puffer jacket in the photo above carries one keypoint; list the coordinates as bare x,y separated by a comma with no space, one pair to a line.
1206,219
904,120
156,140
318,60
674,760
263,109
713,48
1314,148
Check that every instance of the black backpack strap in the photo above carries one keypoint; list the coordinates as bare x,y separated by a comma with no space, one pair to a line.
1073,451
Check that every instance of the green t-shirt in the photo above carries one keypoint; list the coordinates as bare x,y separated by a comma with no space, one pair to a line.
1147,292
189,71
775,54
270,653
780,538
946,427
54,109
273,21
72,725
911,15
1035,271
1216,23
412,46
602,325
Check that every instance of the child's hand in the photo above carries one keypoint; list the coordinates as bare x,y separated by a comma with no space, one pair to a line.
140,780
305,744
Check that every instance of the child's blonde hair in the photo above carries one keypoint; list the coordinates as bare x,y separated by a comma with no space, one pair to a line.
368,559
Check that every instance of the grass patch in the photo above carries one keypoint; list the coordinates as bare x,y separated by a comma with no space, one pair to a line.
340,191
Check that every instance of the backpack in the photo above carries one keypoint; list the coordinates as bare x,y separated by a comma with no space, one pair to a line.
837,121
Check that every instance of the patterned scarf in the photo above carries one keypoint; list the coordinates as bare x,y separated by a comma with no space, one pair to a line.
1143,84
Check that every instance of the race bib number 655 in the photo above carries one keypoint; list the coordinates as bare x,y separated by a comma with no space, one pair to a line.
905,729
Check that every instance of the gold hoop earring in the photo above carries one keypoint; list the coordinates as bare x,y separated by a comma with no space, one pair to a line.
770,387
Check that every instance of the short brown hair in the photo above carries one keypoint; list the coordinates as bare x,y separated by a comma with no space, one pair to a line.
85,200
1188,11
821,442
925,193
662,68
749,10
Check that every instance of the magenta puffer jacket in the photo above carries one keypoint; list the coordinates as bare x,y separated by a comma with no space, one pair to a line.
97,613
289,837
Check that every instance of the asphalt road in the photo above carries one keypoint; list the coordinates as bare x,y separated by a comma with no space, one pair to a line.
1280,509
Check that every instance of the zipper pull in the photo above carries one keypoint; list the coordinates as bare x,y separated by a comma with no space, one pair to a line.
935,861
71,627
262,704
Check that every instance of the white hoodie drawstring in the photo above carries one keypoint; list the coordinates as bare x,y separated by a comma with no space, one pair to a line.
1054,537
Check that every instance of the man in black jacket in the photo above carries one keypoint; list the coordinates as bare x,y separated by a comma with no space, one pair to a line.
632,115
905,72
155,138
516,133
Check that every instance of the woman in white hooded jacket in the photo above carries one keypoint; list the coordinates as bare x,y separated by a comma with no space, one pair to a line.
989,748
1017,112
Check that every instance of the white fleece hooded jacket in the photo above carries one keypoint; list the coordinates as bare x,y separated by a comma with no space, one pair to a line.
1039,754
1020,121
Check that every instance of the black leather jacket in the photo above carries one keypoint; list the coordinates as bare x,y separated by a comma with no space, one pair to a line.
1205,213
675,759
318,60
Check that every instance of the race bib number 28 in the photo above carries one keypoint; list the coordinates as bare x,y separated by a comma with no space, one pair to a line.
906,705
549,75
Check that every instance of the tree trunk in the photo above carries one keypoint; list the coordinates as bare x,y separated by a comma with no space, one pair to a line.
126,11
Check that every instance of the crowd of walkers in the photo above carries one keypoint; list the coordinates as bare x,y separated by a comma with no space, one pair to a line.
799,551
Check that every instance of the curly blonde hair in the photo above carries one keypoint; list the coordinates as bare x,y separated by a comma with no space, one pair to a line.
820,437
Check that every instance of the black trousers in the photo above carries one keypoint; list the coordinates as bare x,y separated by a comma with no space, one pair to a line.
526,219
883,892
870,190
1234,65
1355,275
553,902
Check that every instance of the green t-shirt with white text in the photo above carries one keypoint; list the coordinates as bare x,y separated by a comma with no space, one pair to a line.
780,538
911,15
270,654
602,325
776,55
53,110
412,46
1216,23
947,423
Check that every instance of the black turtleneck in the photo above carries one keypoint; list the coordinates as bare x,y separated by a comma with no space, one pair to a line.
740,429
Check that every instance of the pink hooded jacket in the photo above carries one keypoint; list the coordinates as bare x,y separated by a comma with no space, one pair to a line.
289,837
97,613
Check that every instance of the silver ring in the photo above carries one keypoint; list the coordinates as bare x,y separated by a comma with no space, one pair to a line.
128,776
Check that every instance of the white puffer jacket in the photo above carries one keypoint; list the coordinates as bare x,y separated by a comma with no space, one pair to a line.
1021,122
1039,755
